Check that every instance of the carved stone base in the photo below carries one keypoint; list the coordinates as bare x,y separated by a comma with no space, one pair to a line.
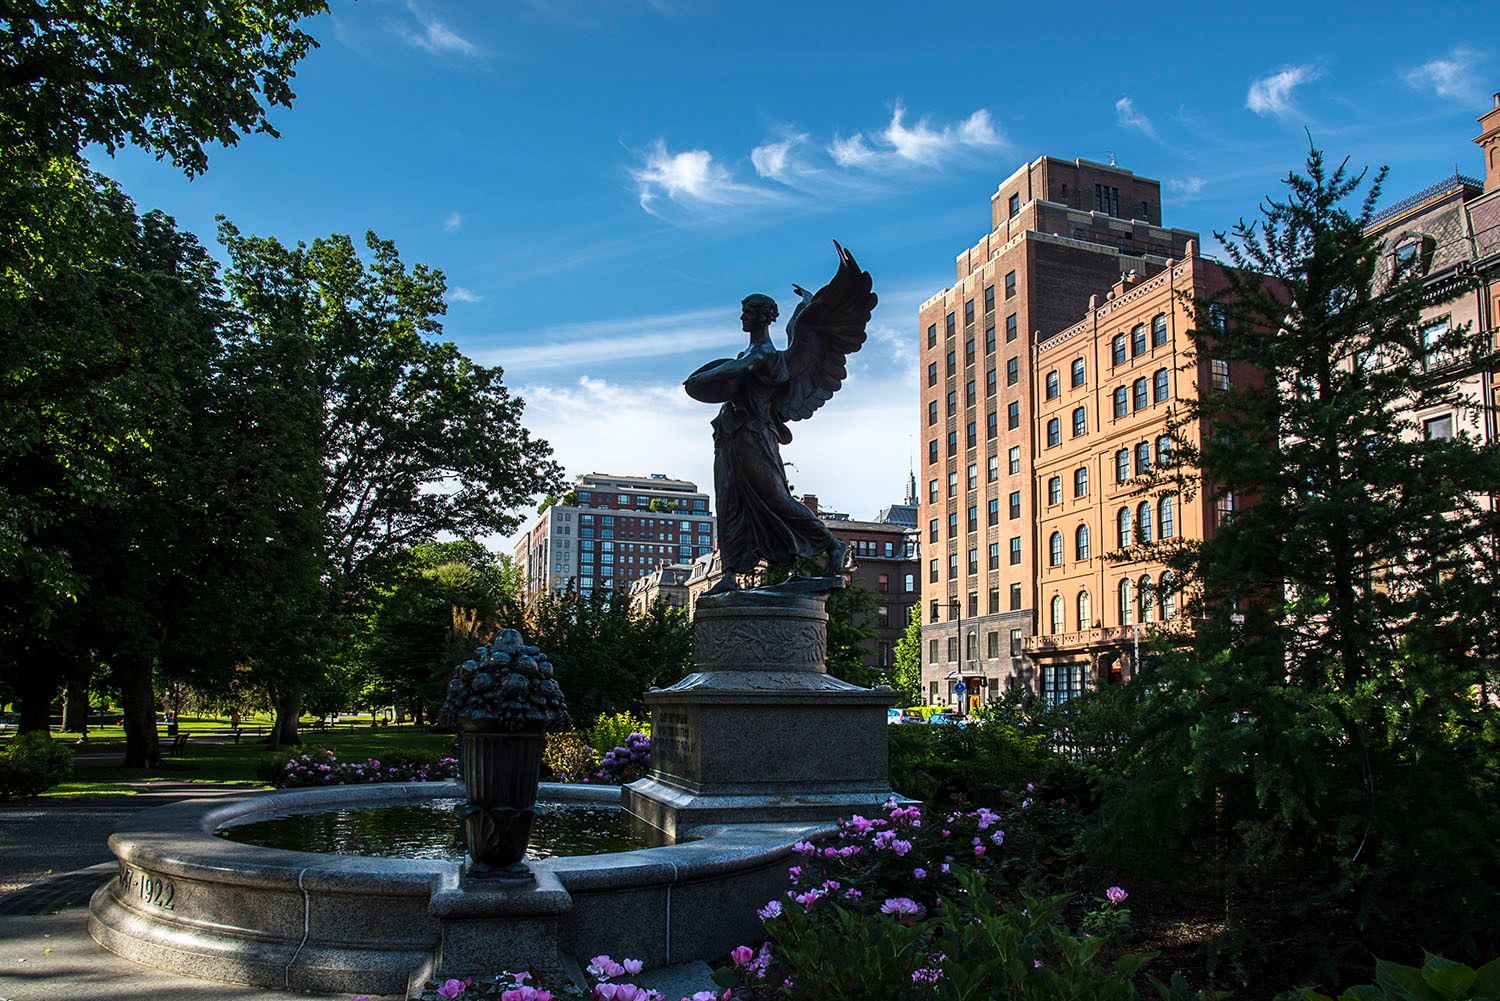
760,733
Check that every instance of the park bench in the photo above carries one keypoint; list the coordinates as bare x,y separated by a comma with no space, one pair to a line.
178,746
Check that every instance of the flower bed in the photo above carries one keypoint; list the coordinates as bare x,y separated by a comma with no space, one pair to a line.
321,767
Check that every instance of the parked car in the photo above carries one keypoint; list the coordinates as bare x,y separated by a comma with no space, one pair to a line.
913,716
944,719
893,716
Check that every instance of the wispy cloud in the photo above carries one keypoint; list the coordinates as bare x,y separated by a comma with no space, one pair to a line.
581,346
432,34
776,160
1454,76
460,294
1272,95
454,222
919,143
691,177
1129,118
1185,188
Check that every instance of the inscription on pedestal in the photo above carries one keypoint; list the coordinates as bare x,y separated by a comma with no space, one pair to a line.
671,740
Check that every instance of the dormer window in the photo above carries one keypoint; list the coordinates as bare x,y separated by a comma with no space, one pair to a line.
1406,255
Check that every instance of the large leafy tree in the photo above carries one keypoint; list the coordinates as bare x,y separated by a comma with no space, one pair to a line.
1324,748
906,675
414,440
165,75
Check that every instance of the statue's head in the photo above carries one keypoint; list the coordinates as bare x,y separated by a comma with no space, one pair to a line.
759,312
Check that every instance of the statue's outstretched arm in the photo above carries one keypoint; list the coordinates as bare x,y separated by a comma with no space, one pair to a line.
718,375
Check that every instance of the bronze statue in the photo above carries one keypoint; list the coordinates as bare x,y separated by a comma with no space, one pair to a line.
762,389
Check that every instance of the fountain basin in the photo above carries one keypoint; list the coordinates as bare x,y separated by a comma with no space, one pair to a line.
192,902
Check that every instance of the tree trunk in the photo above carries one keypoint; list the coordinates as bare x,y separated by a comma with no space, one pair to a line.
35,690
76,708
288,703
142,750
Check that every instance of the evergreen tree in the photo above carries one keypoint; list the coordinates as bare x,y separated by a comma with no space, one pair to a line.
1323,749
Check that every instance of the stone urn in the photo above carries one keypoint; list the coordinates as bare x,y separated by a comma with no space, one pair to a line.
504,702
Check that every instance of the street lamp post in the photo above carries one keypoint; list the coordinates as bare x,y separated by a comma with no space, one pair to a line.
961,690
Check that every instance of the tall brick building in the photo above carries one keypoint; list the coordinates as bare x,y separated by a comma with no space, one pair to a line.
608,531
1059,232
1106,389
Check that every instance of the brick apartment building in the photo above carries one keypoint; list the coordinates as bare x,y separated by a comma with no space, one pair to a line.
1106,390
608,531
1059,233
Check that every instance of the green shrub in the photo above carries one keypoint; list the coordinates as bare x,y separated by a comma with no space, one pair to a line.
955,766
1438,979
610,732
568,756
33,762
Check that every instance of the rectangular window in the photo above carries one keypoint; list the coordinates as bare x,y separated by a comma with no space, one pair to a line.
1015,642
994,556
1015,206
992,470
1010,284
1013,415
1219,374
969,351
1015,459
948,324
1015,504
1015,550
952,362
932,575
973,517
1015,597
932,451
974,569
1012,371
932,412
968,312
952,402
952,484
989,382
932,335
971,438
932,530
969,393
932,491
1438,427
994,512
992,643
991,424
973,475
932,657
1010,328
952,566
989,339
909,583
952,442
994,605
989,298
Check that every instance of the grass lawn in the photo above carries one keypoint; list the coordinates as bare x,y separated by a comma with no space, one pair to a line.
226,761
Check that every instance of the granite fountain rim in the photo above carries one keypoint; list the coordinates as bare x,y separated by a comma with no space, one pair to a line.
179,840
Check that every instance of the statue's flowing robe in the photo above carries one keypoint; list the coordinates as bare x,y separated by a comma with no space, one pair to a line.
758,516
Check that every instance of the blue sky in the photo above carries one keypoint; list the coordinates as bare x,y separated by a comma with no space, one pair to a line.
603,180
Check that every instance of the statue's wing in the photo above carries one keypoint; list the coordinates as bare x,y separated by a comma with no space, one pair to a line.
824,330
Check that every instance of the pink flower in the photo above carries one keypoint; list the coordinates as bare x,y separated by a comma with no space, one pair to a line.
771,910
1036,964
903,907
927,976
603,968
524,993
919,873
852,894
632,966
704,996
451,988
945,868
742,955
794,873
1116,895
998,838
900,847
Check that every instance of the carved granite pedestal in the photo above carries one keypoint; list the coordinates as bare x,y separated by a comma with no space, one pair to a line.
760,732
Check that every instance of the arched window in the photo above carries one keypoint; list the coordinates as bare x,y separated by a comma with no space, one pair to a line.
1081,481
1118,349
1057,613
1168,599
1143,521
1078,374
1122,524
1168,518
1127,603
1164,450
1054,490
1122,401
1085,613
1054,432
1081,542
1158,330
1160,389
1052,385
1138,340
1054,549
1080,421
1143,458
1122,465
1144,593
1138,390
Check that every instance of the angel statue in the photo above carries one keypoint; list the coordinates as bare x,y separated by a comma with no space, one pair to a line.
762,389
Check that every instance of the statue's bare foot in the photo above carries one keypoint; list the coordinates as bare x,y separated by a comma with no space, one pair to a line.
838,558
